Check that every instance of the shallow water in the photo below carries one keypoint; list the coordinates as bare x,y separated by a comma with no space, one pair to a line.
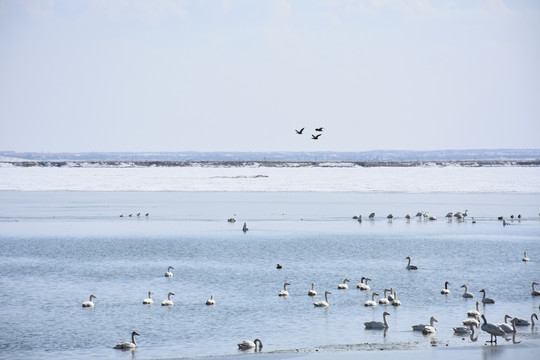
57,248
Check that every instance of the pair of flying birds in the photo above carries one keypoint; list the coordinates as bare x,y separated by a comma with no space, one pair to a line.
313,137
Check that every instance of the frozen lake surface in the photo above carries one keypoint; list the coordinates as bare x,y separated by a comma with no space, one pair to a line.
449,179
58,247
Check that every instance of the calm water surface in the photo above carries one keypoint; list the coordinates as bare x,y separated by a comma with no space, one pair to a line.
57,248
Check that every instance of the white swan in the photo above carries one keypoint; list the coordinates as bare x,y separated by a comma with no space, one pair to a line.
246,345
312,292
475,313
421,327
384,300
168,302
469,321
364,284
344,286
492,329
505,326
391,295
284,292
324,303
430,329
486,300
169,273
464,329
525,258
523,322
148,300
467,294
89,303
372,302
534,291
128,345
396,302
409,266
445,291
377,324
211,301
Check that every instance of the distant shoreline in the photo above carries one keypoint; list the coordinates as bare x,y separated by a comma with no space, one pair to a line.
475,157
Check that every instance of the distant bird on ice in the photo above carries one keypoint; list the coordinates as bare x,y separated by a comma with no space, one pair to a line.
315,137
299,132
245,228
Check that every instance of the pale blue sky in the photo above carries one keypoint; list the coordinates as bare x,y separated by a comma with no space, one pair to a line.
241,75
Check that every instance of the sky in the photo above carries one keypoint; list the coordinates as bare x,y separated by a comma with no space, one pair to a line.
242,75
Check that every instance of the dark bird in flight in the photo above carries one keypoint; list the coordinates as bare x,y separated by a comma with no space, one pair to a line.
319,129
299,132
315,137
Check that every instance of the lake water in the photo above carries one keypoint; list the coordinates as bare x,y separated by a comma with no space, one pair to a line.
58,247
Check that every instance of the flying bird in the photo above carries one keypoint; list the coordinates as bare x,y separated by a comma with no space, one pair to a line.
319,129
315,137
299,132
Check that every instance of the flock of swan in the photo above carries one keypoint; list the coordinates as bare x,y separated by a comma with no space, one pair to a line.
167,302
475,319
472,322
